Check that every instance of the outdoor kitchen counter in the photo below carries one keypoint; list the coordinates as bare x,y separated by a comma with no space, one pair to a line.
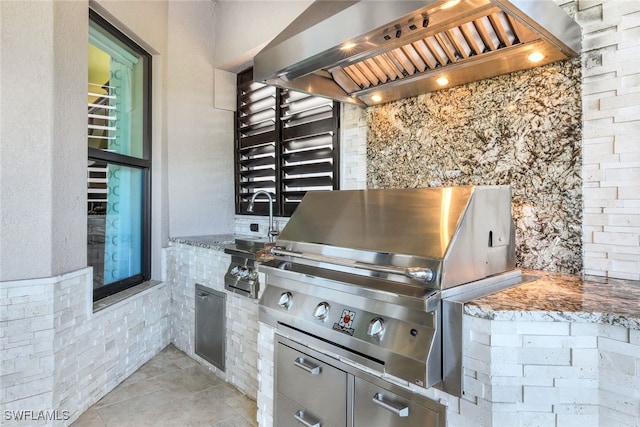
554,297
213,241
550,297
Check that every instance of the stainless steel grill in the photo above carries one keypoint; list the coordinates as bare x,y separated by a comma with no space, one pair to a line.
360,275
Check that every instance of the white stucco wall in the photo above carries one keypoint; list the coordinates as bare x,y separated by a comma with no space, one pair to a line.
242,28
200,171
42,139
43,131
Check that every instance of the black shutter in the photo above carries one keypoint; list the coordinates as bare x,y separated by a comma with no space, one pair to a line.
286,144
256,143
309,146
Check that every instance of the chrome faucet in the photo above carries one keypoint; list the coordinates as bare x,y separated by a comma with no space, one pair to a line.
272,233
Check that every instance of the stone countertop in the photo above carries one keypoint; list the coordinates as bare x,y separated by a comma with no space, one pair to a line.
218,242
563,297
213,241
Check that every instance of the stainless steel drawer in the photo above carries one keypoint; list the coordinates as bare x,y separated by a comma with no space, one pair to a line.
292,414
378,406
314,384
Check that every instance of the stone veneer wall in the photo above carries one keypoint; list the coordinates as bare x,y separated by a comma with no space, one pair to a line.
59,355
611,172
188,265
353,148
522,129
547,373
243,225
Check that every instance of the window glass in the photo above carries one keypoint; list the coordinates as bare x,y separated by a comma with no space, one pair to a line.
115,223
116,95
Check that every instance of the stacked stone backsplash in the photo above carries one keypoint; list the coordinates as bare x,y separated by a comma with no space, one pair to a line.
523,129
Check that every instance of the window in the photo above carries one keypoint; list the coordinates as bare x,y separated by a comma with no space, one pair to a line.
287,143
119,166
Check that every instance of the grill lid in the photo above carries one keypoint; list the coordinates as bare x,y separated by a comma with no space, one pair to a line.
405,221
352,50
460,233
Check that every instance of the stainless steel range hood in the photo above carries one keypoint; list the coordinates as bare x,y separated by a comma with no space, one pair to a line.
353,50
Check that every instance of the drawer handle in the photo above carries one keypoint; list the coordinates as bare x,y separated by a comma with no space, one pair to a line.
399,410
203,295
307,366
307,420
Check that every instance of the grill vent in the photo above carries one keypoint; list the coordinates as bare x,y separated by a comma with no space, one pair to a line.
483,35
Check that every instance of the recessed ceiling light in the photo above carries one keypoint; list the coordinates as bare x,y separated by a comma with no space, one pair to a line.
376,98
535,57
347,46
442,81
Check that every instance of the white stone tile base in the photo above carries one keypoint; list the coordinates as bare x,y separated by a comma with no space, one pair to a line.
190,265
58,357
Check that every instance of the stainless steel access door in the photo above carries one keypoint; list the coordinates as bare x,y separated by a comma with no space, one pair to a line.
211,329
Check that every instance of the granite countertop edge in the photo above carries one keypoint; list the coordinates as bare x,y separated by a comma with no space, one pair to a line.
559,297
213,241
552,297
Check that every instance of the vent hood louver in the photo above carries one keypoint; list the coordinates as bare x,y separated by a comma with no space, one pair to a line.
349,51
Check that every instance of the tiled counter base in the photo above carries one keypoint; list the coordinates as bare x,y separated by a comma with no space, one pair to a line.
203,261
559,351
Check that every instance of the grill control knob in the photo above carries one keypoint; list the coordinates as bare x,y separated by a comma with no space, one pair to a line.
322,311
376,328
285,301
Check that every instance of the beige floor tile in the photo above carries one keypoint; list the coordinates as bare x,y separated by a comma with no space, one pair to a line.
171,390
190,380
159,365
89,418
137,410
127,391
234,422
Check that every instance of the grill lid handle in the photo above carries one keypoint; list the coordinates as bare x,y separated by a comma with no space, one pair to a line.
424,274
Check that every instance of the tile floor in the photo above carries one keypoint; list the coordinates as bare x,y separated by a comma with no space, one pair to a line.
171,390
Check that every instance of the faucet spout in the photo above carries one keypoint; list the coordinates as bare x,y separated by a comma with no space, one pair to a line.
272,233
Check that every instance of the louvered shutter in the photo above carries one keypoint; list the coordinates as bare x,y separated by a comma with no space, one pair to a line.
100,130
256,145
309,146
286,144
